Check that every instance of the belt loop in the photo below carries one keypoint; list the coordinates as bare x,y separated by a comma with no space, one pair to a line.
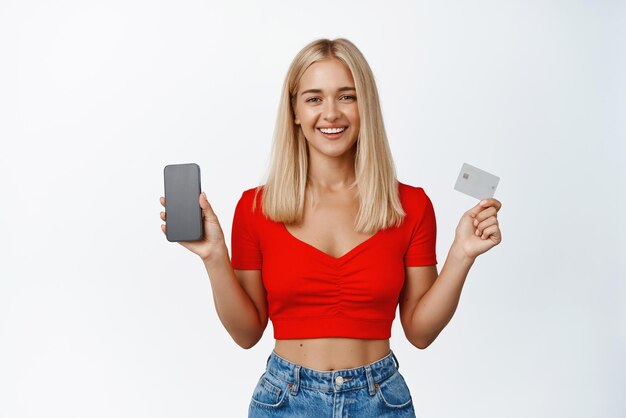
370,380
395,360
296,384
268,361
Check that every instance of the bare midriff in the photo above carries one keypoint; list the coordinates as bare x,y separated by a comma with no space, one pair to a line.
326,354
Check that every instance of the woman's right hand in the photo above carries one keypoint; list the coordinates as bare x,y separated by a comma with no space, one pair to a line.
213,240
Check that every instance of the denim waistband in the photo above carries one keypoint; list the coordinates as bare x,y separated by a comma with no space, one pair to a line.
334,380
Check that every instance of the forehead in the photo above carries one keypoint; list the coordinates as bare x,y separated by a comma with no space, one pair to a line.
328,74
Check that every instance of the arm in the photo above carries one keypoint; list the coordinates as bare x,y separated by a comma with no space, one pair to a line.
428,300
239,297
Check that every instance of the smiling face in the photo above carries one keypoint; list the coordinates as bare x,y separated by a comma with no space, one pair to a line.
326,108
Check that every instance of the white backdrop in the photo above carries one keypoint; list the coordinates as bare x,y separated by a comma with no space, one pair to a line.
100,316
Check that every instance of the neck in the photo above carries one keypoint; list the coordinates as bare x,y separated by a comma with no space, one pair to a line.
331,173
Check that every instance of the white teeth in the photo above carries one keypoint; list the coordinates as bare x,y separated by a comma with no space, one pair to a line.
333,130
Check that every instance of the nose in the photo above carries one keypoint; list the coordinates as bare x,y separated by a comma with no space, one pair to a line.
331,111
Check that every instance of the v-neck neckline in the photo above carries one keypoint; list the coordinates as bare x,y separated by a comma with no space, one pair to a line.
324,254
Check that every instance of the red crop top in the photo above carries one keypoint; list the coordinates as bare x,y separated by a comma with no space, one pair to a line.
311,294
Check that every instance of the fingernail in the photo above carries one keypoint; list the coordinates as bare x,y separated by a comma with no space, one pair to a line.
483,202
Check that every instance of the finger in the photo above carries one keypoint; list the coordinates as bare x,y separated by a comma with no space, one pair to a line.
475,210
492,230
484,214
485,224
162,200
491,202
162,216
206,207
164,228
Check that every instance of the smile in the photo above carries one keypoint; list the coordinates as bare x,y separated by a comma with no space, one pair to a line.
332,130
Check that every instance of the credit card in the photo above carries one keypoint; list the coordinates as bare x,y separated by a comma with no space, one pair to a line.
476,182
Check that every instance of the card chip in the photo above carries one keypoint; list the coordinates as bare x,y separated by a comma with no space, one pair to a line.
465,176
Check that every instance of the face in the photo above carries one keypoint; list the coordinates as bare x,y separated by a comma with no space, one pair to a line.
326,108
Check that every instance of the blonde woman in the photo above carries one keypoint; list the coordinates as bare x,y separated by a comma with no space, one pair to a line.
330,245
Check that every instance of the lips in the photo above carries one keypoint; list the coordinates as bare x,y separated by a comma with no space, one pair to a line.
332,130
333,135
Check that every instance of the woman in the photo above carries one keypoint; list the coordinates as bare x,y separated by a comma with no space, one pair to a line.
329,247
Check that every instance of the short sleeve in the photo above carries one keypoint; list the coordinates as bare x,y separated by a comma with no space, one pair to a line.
245,246
422,246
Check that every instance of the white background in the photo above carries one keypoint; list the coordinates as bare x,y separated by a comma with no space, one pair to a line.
100,316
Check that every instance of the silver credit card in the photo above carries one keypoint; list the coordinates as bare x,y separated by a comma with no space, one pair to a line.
476,182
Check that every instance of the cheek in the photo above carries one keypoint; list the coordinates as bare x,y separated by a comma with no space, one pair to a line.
354,116
356,123
309,121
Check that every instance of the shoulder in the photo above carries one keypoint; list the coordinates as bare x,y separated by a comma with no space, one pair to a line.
249,194
248,197
415,202
412,194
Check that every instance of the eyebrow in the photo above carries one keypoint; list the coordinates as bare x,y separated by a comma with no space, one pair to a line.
319,91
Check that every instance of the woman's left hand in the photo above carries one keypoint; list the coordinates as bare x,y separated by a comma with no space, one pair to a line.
478,229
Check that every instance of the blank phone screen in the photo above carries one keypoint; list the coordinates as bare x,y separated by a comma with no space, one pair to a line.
183,213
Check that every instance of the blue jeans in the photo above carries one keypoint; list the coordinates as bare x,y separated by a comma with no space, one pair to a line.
287,389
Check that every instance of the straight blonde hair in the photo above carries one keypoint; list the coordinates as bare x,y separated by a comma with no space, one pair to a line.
375,179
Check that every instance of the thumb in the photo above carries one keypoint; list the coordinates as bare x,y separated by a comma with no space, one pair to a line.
475,210
207,210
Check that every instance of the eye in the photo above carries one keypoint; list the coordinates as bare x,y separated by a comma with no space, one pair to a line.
311,99
349,97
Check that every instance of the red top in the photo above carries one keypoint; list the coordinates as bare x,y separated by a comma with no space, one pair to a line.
311,294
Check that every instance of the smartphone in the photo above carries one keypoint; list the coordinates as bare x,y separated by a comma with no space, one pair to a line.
183,214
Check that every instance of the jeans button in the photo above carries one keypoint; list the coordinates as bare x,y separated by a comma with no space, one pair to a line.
339,380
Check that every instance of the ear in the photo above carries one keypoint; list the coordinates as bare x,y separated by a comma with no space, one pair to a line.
296,120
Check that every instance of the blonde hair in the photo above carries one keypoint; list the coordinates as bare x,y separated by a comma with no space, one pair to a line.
375,179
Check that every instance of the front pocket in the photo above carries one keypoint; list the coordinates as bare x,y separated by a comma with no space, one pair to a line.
394,392
267,394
